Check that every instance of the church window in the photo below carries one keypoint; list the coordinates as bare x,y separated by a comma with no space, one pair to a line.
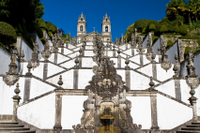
81,28
106,28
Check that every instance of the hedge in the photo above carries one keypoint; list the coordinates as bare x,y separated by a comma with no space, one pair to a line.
163,29
169,43
152,27
7,34
183,30
187,49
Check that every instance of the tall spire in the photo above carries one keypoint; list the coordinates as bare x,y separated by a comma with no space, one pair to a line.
106,16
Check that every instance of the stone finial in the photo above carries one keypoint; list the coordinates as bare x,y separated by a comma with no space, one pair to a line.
11,76
127,62
176,66
81,51
165,64
151,84
46,53
76,62
29,66
17,91
60,82
118,51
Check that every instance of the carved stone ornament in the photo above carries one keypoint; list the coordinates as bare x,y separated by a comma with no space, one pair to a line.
193,82
34,61
106,99
46,53
11,76
165,64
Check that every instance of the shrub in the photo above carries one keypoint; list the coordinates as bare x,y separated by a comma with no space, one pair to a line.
169,43
43,39
53,29
154,39
183,30
42,24
152,27
7,34
177,29
142,23
50,34
198,41
187,49
163,29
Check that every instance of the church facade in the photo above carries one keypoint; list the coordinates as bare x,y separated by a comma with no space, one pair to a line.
82,33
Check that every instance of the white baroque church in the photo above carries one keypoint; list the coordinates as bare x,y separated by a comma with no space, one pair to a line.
96,85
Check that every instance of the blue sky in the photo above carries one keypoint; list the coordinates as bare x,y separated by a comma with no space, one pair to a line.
64,13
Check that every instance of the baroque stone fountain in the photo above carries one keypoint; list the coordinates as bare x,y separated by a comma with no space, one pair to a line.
106,110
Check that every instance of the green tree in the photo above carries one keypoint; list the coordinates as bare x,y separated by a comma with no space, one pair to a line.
163,29
129,32
152,27
4,13
174,8
183,29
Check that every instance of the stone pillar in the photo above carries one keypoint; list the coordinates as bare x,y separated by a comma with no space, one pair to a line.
154,119
154,70
75,85
16,100
118,59
58,110
27,87
132,51
114,52
56,58
45,69
141,59
177,88
62,50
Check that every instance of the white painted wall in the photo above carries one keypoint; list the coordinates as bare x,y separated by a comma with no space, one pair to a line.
67,78
88,53
141,111
38,88
167,88
5,58
171,113
6,94
39,113
162,74
88,62
85,75
147,70
72,107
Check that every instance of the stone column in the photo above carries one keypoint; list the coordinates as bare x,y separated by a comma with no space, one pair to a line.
177,88
75,85
118,59
27,87
16,100
154,119
58,110
27,84
45,69
132,51
154,70
141,59
62,50
55,57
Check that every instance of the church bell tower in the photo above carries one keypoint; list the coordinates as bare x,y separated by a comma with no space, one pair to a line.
106,29
81,28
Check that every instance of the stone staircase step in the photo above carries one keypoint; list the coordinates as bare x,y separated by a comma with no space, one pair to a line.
13,129
29,131
11,125
191,128
194,125
7,122
185,131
